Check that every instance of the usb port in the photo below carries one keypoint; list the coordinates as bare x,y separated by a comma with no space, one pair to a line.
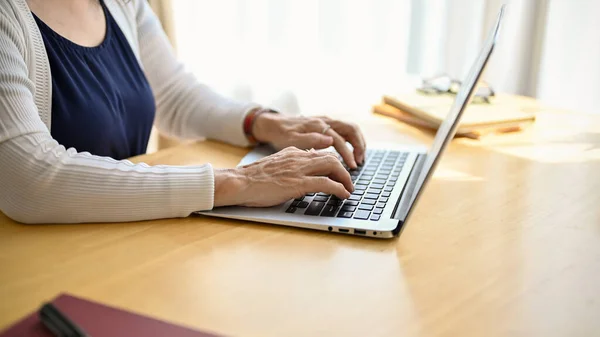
343,230
360,231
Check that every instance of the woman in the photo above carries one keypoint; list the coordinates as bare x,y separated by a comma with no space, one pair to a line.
81,84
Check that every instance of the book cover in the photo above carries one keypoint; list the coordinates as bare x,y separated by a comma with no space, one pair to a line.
505,111
99,320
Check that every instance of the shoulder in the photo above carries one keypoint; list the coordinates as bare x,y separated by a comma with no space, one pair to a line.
130,10
128,14
14,29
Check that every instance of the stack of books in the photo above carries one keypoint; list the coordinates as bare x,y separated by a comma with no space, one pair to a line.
504,113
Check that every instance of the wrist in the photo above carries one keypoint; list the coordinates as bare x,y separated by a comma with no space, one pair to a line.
229,185
265,126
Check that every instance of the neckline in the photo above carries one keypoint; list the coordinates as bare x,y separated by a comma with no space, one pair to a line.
76,46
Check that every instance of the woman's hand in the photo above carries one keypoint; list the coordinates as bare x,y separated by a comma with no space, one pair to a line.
307,132
285,175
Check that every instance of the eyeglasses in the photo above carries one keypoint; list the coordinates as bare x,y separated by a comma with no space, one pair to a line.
444,84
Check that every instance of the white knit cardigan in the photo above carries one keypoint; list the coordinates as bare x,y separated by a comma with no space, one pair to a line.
43,182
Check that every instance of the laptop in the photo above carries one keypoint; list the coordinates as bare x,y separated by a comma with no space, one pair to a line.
387,186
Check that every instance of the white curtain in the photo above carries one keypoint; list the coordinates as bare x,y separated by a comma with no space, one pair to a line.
341,55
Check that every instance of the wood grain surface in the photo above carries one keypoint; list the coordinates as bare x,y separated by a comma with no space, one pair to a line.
505,242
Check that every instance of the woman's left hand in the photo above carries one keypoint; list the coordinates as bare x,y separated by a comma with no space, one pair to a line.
311,132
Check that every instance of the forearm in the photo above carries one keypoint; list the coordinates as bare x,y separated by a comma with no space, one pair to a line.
41,182
185,107
189,110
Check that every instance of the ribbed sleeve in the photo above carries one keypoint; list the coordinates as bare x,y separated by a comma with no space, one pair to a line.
42,182
185,107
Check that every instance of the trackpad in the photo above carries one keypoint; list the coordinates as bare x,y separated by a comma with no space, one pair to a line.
257,153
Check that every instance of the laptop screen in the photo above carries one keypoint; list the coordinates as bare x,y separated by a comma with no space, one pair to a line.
448,128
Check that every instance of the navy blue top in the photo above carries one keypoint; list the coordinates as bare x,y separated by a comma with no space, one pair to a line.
101,100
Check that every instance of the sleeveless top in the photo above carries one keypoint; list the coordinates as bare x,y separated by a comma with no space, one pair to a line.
101,100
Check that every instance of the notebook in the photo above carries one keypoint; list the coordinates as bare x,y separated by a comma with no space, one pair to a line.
99,320
390,111
505,111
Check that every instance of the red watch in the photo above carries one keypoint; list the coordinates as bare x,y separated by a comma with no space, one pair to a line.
251,119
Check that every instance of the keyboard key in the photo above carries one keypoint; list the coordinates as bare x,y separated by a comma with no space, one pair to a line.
363,182
350,203
302,204
356,192
385,171
299,199
371,196
393,179
310,194
365,207
366,177
346,208
377,185
378,210
375,217
381,204
295,203
334,202
386,194
368,202
291,209
320,198
381,177
374,190
383,199
360,188
345,215
315,208
362,215
388,188
379,181
355,197
330,210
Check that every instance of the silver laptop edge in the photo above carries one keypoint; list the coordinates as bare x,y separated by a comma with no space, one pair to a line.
447,130
415,174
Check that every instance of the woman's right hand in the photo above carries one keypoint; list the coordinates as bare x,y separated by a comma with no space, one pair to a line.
287,174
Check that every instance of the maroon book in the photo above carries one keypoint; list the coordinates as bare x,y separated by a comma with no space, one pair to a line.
99,320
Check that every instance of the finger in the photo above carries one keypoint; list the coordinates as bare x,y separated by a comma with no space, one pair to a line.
312,140
329,165
361,137
340,145
326,185
353,135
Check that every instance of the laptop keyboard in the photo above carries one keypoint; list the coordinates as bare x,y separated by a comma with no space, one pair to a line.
373,185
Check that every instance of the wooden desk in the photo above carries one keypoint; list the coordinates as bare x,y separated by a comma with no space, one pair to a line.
506,242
